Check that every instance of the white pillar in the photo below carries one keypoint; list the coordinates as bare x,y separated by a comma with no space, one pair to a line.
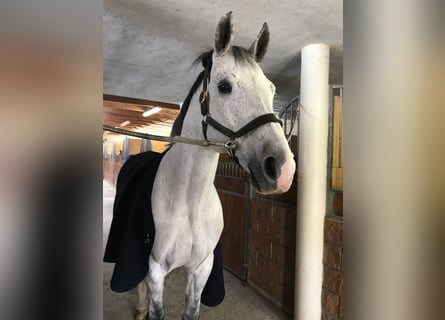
312,163
125,149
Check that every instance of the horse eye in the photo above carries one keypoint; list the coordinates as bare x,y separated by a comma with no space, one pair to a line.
225,87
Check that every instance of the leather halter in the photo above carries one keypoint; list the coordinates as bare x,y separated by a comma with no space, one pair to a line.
204,100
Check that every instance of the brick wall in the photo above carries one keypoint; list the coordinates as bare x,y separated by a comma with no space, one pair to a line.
332,292
271,264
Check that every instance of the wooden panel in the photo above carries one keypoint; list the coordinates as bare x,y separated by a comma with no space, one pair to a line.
290,197
337,179
338,204
230,184
337,146
159,146
336,133
135,145
232,239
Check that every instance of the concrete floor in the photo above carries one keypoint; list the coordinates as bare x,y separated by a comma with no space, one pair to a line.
241,303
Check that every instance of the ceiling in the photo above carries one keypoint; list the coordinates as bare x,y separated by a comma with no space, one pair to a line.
128,114
149,45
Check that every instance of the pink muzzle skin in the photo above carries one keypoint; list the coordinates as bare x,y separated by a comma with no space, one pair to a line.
284,181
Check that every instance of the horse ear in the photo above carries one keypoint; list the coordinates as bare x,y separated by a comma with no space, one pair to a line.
259,46
224,34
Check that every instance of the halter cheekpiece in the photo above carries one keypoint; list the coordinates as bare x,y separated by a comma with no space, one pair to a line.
230,145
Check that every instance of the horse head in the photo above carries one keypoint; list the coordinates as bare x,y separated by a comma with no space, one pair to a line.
239,93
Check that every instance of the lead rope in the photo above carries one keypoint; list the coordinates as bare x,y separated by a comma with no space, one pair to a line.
175,139
204,100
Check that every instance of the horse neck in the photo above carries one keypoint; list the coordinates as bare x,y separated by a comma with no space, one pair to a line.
195,166
191,127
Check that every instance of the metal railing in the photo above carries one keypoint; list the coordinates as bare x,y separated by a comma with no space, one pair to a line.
290,114
230,169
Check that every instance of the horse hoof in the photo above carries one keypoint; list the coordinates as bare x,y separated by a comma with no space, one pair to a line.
141,314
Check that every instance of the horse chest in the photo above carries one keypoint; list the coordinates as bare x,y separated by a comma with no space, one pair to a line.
185,243
186,235
186,208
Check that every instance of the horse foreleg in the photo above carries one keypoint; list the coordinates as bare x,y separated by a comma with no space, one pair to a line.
196,280
155,278
142,304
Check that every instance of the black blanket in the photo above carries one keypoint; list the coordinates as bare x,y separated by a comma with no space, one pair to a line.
132,231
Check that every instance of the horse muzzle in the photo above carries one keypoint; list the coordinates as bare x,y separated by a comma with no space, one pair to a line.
272,175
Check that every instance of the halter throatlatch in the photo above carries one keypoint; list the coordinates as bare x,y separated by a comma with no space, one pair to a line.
230,145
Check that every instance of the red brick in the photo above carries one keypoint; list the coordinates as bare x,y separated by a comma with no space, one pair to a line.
330,303
332,280
327,316
333,232
332,256
341,314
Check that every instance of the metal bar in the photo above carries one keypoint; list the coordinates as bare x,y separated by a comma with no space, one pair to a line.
136,134
248,191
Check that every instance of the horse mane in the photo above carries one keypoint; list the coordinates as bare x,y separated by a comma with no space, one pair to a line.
240,54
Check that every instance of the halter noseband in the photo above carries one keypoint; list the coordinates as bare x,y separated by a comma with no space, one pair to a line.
204,100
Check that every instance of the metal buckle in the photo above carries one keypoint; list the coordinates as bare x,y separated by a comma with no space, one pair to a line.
229,145
202,97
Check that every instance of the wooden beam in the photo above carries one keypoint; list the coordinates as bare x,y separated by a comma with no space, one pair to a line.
152,103
120,119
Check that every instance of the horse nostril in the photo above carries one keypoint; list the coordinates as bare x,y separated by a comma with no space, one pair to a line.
270,169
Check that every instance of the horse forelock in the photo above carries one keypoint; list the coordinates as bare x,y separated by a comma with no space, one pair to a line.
240,54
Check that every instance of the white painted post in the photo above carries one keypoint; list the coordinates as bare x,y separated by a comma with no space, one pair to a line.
113,151
125,149
312,163
145,145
